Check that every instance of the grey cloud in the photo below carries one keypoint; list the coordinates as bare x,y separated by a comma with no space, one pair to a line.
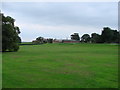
91,14
65,13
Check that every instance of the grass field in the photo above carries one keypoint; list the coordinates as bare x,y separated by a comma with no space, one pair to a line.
61,66
26,42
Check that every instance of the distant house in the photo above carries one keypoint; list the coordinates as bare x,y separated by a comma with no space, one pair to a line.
70,41
65,41
57,41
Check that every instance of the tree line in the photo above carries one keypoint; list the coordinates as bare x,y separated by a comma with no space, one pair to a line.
41,40
11,39
108,35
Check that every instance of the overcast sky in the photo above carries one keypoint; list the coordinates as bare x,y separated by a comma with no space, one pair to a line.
61,19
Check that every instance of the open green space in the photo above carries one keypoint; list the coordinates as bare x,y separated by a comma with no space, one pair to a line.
26,42
61,66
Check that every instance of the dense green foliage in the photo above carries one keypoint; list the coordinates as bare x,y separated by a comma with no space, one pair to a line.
41,40
75,36
110,36
95,38
10,38
85,38
62,66
107,36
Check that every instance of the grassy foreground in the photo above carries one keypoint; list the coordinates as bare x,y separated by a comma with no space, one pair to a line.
61,66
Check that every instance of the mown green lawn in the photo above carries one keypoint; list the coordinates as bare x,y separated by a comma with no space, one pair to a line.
61,66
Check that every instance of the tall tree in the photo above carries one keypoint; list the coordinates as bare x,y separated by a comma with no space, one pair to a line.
110,36
40,39
75,36
95,38
10,33
106,35
85,38
116,36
